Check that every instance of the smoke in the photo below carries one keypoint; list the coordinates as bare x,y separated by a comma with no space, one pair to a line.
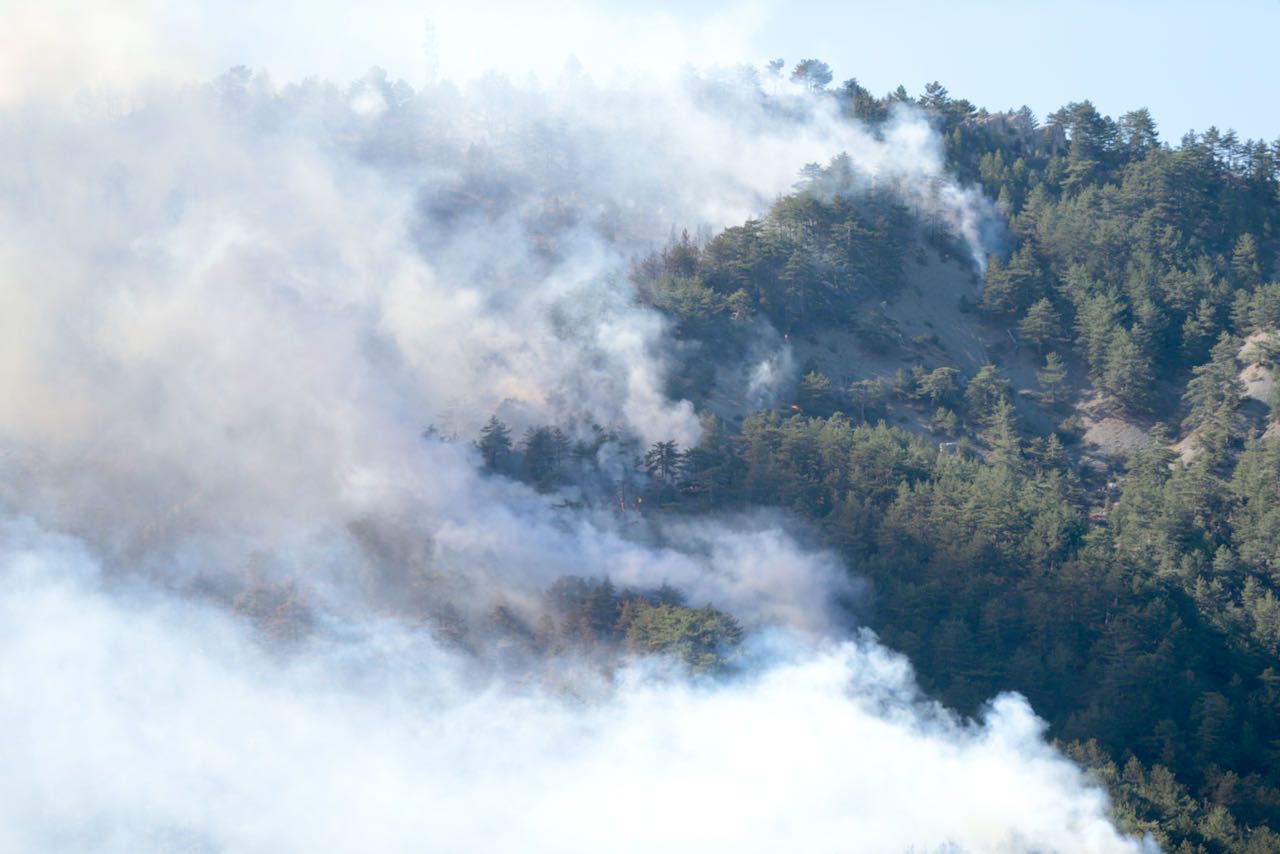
247,301
230,311
770,374
157,725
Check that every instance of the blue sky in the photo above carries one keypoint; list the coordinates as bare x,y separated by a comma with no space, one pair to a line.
1191,64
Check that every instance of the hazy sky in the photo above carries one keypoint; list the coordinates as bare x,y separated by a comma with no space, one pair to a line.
1190,64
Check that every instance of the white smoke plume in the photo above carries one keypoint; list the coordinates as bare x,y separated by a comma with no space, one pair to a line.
769,375
250,301
154,725
228,311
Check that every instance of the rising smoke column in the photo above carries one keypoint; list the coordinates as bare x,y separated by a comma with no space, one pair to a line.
229,310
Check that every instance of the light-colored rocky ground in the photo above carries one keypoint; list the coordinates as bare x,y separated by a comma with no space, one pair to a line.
931,327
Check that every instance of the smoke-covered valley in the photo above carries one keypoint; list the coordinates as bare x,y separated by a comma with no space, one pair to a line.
248,334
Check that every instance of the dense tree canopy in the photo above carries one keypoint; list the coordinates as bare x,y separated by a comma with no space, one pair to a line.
1133,601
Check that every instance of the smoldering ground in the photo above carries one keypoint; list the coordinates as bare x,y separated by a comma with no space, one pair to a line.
230,309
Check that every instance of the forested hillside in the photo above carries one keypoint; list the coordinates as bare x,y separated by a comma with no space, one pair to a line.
1130,596
709,460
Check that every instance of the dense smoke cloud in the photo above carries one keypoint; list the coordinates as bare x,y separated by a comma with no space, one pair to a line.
156,725
230,311
237,299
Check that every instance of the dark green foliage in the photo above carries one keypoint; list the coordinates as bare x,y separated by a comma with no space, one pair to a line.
1244,262
1138,134
817,394
1137,609
1255,487
699,638
1144,249
593,616
990,574
984,391
1052,380
944,421
1127,373
1010,288
1042,327
1215,390
1258,310
664,462
545,456
866,399
807,263
859,103
941,386
1150,799
494,444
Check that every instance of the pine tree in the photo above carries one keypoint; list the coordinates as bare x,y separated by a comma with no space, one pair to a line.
494,444
1215,389
1006,444
1127,374
816,394
940,386
664,461
1244,262
1042,326
984,391
866,396
1053,379
1138,132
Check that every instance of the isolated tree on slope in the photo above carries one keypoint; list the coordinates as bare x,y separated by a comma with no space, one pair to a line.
812,73
664,461
494,443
